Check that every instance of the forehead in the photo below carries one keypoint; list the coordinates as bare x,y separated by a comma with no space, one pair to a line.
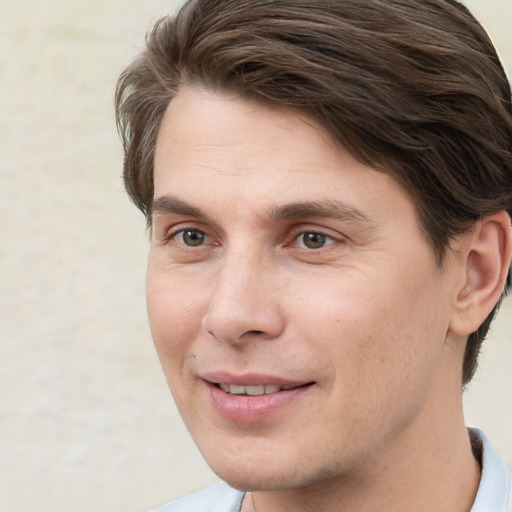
217,150
199,122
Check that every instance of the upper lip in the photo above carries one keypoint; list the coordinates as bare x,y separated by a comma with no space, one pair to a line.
250,379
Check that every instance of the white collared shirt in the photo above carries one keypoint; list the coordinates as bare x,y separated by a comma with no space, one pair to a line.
492,495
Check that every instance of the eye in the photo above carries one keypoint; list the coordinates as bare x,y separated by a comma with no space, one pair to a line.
190,237
313,240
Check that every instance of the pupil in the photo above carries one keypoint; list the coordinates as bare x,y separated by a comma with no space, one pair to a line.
314,240
193,237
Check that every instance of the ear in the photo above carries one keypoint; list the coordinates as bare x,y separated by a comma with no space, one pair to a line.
486,253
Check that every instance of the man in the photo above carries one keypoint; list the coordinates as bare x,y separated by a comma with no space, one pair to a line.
328,187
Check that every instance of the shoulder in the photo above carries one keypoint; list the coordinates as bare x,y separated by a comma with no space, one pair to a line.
217,498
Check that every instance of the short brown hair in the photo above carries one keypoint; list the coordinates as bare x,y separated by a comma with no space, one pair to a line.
411,87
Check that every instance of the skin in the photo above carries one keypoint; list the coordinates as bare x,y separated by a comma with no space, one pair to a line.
248,279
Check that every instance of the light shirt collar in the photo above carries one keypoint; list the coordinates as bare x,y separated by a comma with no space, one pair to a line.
492,495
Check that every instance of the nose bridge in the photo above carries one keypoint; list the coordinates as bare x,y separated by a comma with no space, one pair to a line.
242,303
238,275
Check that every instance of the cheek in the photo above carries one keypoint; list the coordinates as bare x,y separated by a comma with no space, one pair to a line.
174,319
402,348
375,329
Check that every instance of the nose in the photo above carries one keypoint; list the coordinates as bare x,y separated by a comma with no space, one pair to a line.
243,303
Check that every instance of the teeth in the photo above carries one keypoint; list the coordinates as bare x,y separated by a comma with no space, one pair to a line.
237,390
266,389
254,390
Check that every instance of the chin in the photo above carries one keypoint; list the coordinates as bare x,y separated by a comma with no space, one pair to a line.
251,473
259,481
272,473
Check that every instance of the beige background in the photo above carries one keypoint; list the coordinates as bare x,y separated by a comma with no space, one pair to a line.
86,421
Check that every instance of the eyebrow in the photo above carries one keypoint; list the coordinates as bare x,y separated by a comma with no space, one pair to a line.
326,209
172,205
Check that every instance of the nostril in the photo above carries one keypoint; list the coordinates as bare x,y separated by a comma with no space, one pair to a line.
254,332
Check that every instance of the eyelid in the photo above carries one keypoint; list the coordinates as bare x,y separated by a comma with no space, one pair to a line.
181,234
331,240
170,233
303,228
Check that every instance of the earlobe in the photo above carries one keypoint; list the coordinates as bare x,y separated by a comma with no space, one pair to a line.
486,253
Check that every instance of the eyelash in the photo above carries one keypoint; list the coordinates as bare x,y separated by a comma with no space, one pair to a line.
325,239
175,234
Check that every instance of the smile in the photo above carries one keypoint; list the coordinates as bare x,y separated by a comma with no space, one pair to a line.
253,398
262,389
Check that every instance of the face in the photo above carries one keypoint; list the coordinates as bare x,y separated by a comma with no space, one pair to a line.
296,307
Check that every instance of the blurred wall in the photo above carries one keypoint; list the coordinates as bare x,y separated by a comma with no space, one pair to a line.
86,421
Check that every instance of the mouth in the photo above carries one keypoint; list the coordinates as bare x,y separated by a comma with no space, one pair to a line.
258,390
252,399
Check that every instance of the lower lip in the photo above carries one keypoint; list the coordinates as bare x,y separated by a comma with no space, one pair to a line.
252,409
